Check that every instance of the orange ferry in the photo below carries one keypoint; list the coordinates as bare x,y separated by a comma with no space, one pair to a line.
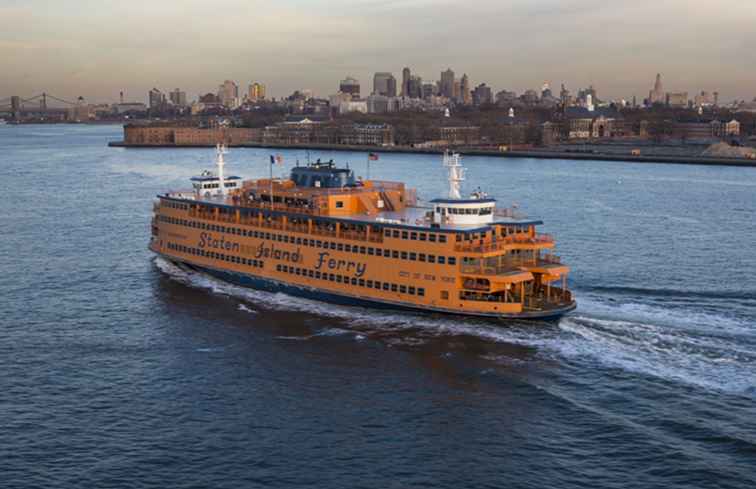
323,234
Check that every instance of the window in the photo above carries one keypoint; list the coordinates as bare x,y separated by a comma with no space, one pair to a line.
452,260
339,204
395,233
395,254
413,236
421,292
385,286
413,256
411,290
445,295
402,289
371,251
422,236
393,287
404,255
441,260
421,257
405,234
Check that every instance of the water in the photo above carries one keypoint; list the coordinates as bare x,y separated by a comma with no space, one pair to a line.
120,370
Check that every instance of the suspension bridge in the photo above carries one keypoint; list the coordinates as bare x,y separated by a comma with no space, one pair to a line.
41,106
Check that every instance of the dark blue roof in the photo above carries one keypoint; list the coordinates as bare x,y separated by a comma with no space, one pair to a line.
211,177
463,201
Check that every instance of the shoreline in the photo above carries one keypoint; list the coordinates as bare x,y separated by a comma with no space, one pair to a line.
549,155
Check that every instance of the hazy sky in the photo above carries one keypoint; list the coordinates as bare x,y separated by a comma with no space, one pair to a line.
97,48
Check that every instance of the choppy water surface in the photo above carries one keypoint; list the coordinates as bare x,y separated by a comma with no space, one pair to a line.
120,370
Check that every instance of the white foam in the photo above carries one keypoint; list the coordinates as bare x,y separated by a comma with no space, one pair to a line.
635,337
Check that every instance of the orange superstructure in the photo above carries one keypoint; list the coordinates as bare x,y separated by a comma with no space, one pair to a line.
323,235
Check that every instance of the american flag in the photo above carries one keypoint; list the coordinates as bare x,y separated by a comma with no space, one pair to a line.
276,159
373,157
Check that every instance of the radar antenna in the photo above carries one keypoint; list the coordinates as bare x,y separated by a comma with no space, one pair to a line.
456,174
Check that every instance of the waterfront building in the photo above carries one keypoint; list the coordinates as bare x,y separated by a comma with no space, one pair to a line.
351,86
175,134
129,107
384,84
446,84
657,95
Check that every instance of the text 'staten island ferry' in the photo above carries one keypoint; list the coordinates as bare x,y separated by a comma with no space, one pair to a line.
322,234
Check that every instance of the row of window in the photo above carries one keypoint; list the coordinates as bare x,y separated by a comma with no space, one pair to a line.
218,256
414,235
315,243
343,279
175,205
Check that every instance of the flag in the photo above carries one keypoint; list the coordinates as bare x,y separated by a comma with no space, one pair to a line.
373,157
276,159
279,159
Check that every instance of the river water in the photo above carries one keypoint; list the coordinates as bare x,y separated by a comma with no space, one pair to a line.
120,370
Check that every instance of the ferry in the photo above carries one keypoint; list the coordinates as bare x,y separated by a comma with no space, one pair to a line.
326,235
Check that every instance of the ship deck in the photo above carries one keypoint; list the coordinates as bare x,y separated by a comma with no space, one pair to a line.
410,217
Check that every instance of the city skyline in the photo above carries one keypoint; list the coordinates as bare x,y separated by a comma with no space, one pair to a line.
517,46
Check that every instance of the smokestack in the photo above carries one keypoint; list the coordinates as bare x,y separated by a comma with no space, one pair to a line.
121,96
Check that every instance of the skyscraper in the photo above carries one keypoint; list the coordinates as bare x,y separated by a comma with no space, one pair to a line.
156,98
228,92
482,95
405,82
178,98
657,96
464,87
256,92
351,86
446,84
415,87
384,83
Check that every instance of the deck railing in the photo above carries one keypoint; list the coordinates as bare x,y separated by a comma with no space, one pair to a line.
504,242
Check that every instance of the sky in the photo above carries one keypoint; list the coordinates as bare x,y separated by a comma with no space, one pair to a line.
98,48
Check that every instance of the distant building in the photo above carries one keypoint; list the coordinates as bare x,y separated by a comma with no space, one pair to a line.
464,88
415,87
446,84
351,86
348,106
384,84
256,92
377,104
406,74
178,98
157,99
129,107
228,93
482,95
723,129
677,100
506,98
656,95
429,90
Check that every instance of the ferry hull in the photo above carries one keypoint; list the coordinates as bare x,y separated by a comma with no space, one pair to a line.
272,285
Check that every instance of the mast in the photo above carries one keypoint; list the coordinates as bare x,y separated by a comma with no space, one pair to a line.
220,151
456,174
